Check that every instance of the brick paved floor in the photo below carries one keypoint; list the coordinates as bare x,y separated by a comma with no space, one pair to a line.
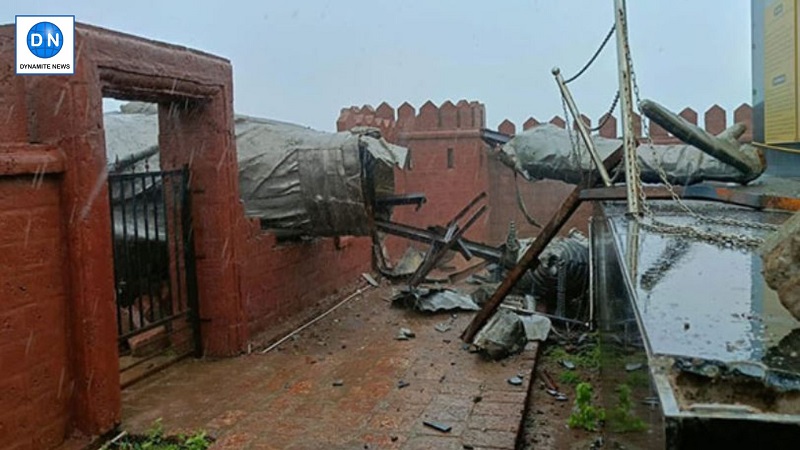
287,399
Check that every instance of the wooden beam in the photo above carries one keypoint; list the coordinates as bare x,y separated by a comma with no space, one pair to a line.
530,260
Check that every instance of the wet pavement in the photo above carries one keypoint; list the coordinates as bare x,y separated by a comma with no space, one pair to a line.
346,382
699,300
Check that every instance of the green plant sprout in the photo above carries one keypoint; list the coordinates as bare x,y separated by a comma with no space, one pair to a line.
622,418
584,414
155,439
569,377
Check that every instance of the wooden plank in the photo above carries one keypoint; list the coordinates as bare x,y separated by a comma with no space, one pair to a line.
530,260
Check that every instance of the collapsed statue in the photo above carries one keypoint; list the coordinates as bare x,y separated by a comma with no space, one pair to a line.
297,181
549,152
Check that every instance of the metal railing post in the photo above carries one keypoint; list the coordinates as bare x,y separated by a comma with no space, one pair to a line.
626,103
582,130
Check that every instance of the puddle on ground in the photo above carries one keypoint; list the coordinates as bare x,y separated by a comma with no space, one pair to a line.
702,301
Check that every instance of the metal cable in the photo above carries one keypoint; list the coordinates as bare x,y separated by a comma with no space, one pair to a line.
521,205
608,113
593,58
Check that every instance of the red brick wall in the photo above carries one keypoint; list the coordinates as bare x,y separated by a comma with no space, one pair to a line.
428,135
57,282
58,334
36,383
541,199
447,189
279,280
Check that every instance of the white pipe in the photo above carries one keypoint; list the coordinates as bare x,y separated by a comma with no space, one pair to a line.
316,319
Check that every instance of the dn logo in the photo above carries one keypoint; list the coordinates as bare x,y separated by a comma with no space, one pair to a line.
45,40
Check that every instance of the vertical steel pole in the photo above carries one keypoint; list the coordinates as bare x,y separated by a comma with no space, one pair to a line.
626,103
591,272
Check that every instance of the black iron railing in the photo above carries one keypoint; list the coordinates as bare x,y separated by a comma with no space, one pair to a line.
154,267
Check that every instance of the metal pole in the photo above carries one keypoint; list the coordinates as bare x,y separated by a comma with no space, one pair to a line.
632,250
591,270
626,104
582,130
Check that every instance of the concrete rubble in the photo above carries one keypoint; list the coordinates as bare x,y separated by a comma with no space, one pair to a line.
781,256
507,333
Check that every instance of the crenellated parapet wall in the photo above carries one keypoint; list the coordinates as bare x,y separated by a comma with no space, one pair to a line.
447,158
406,120
715,120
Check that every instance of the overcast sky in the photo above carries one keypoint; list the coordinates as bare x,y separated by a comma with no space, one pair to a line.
301,61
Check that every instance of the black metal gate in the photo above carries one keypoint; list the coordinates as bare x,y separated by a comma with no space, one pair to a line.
154,268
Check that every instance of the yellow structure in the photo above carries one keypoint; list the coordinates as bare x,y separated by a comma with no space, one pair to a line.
780,72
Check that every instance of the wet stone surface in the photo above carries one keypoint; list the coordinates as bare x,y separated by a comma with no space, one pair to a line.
338,386
698,300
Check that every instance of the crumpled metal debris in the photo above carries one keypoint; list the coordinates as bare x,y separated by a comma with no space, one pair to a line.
724,147
435,300
446,300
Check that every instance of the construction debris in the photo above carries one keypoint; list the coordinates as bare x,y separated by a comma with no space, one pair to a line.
506,333
632,367
438,426
369,279
434,300
537,327
443,327
530,258
409,263
503,335
405,334
451,239
515,381
483,292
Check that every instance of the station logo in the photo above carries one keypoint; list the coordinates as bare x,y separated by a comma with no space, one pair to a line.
45,45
